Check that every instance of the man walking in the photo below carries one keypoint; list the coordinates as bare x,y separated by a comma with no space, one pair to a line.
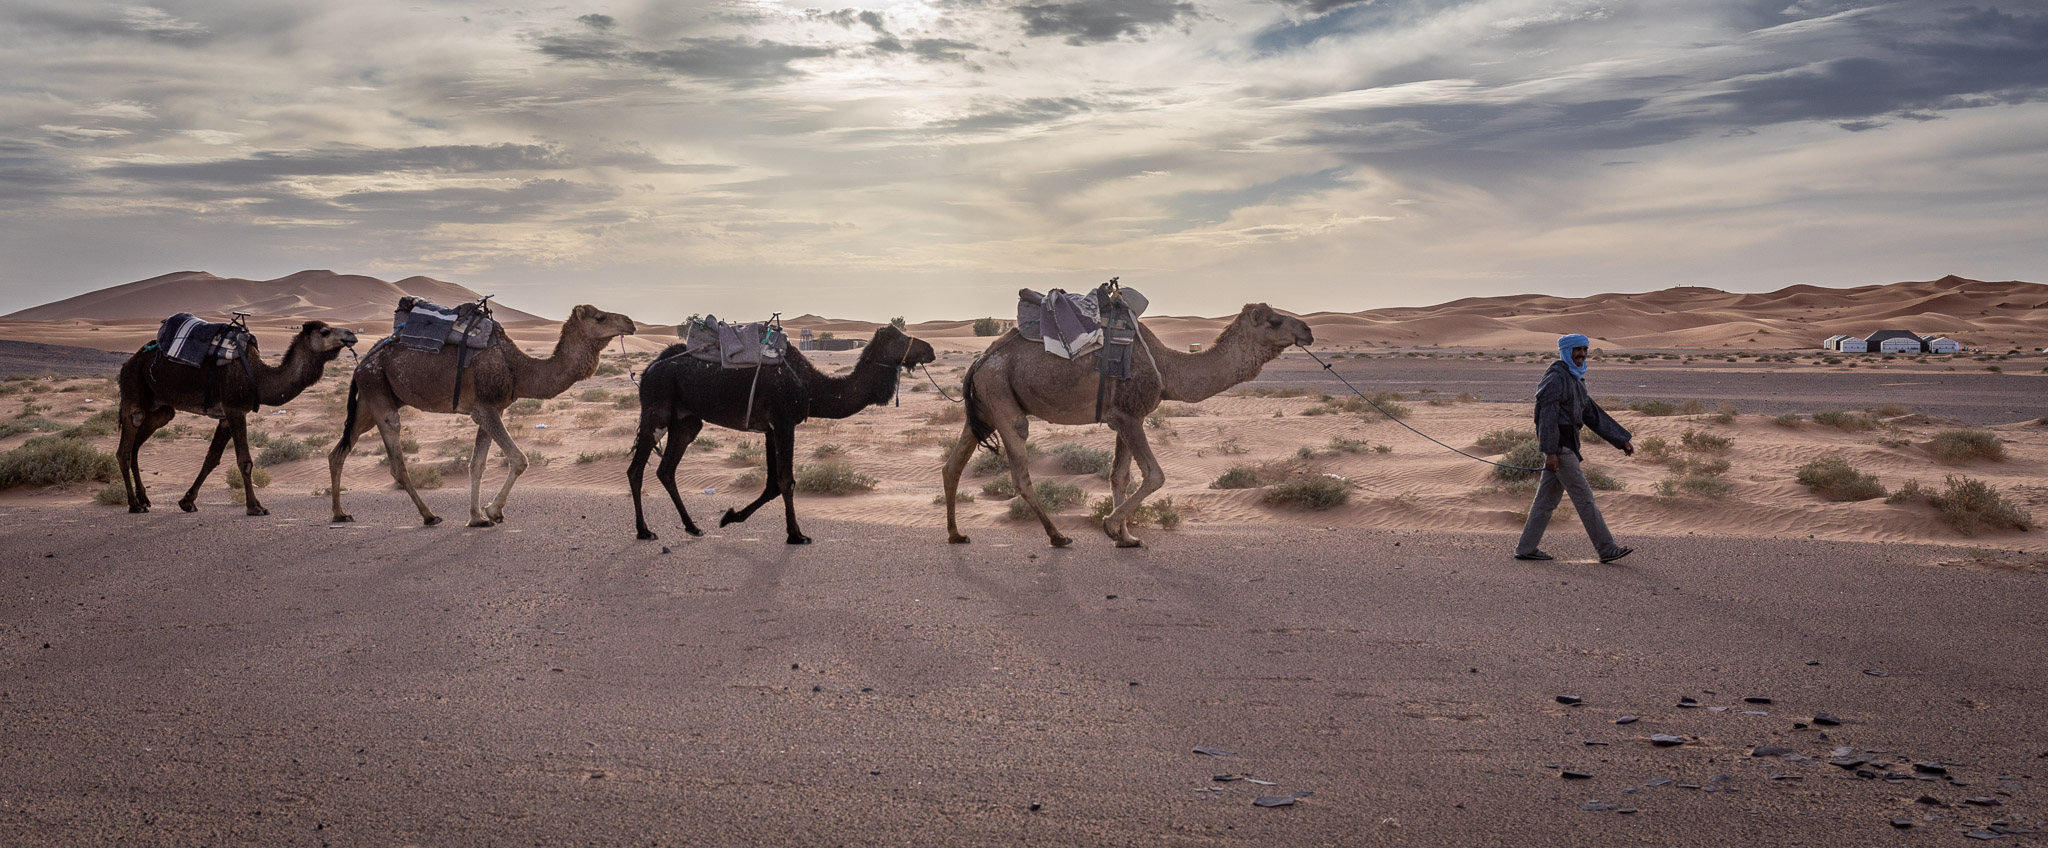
1562,404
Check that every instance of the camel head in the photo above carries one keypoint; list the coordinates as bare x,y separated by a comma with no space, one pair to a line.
1272,329
895,348
324,340
594,323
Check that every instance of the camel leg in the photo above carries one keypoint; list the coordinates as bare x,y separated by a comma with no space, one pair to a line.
136,428
338,456
1120,474
636,471
786,445
477,456
768,491
956,462
239,426
190,502
1015,431
1132,431
387,429
679,438
515,463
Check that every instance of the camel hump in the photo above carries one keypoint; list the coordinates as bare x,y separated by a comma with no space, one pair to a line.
189,341
423,325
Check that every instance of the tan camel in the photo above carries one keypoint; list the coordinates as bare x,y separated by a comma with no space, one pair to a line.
391,377
1016,379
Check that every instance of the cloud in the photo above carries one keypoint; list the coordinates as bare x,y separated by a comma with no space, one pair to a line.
152,21
268,166
1096,21
1032,111
736,60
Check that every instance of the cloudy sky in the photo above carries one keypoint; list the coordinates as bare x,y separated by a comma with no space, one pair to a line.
927,157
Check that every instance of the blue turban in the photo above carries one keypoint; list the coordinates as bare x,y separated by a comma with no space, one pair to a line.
1564,351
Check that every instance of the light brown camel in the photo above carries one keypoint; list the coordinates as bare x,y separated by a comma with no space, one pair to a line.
1016,379
393,376
154,391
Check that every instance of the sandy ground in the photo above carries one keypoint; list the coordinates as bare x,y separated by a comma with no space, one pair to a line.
216,678
172,679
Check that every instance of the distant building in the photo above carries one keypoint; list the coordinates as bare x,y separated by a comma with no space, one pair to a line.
1845,344
1895,341
1944,344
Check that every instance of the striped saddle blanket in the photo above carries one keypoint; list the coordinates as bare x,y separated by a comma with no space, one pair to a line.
426,326
189,341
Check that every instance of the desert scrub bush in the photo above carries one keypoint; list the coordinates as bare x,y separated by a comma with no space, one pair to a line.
951,413
707,443
1341,445
1270,392
610,369
1237,477
1054,495
29,424
1159,512
1789,419
282,450
753,477
626,401
594,395
423,477
105,422
50,460
592,417
1833,478
1973,505
1686,465
524,406
1077,458
111,494
1890,410
1501,441
1598,478
833,478
1704,485
1000,487
1315,491
261,477
1654,408
1514,464
1700,441
1956,447
961,496
828,450
600,456
1854,422
1724,415
746,452
1905,492
1655,449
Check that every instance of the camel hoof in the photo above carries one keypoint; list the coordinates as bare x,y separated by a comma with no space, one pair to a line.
958,540
1061,541
731,516
648,535
1129,543
343,518
188,506
137,508
481,521
692,530
259,511
799,539
430,520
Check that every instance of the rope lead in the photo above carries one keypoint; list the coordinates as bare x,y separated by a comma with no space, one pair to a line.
1390,417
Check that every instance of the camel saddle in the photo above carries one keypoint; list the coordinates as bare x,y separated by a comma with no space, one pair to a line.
189,341
737,345
1075,325
425,326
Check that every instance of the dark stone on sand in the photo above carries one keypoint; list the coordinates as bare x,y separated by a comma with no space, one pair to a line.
1902,823
1214,752
1877,672
1930,768
1659,781
1985,834
1625,720
1929,800
1984,801
1592,742
1225,778
1688,703
1756,699
1599,807
1570,700
1275,801
1866,774
1825,720
1665,740
1576,775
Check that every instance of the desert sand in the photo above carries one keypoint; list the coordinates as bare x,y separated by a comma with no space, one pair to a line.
566,682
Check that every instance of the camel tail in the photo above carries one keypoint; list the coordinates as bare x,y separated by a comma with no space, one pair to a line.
348,427
983,432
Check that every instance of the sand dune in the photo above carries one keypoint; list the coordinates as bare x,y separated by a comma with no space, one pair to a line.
306,295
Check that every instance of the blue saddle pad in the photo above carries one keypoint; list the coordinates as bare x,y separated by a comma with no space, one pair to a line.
189,341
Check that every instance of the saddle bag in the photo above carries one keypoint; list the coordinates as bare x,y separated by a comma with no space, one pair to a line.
425,326
187,340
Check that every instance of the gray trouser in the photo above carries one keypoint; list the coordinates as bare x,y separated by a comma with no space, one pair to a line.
1567,479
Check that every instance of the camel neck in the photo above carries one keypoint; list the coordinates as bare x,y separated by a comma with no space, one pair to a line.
1232,359
299,369
871,383
574,358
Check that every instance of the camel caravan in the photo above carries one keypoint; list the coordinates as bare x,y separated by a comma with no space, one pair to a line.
1071,359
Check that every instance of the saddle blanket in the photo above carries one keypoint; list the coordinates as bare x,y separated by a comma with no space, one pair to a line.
737,345
189,341
422,325
1073,325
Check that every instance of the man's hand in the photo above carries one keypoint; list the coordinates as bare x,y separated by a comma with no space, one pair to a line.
1628,448
1550,462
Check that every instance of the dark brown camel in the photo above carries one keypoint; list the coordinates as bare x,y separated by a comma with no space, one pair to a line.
1016,378
393,376
154,390
679,393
